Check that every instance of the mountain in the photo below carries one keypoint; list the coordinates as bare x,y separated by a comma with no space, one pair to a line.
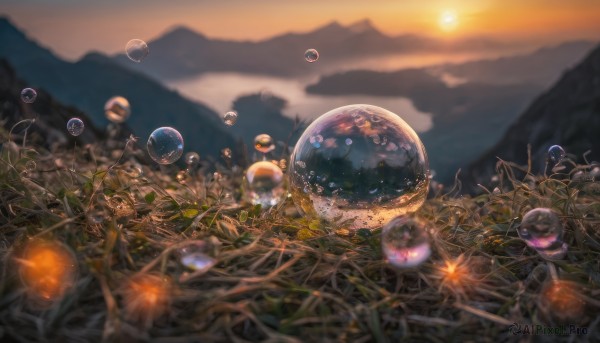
182,53
89,82
49,128
467,119
567,114
541,67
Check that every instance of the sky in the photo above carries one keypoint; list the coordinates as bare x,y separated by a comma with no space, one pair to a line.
72,28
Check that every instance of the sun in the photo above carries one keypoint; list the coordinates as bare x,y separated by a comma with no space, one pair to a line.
448,20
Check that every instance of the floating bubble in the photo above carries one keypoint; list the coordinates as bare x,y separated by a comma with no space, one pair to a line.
264,143
47,269
28,95
555,154
263,184
405,242
541,230
230,118
165,145
311,55
75,126
373,183
192,158
136,50
117,109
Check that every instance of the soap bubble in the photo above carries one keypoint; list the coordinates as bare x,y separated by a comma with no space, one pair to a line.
230,118
264,143
28,95
192,158
137,50
263,184
165,145
75,126
311,55
405,242
541,230
117,109
556,153
194,256
369,171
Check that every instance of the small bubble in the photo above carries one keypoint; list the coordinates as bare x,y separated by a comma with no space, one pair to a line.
28,95
165,145
542,230
230,118
348,141
405,242
264,143
263,184
311,55
117,109
192,158
75,126
137,50
555,154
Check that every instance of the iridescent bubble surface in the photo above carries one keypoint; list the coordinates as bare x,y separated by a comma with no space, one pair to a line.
195,256
28,95
556,153
75,126
117,109
405,242
360,163
165,145
264,143
136,50
542,230
230,118
311,55
264,184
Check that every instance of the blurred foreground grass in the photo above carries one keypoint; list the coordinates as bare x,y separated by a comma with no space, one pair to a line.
280,277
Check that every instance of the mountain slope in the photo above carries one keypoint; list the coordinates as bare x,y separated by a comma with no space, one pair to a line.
567,114
88,83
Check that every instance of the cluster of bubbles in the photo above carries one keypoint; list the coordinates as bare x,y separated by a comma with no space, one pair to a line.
405,242
230,118
136,50
165,145
360,163
75,126
542,231
28,95
117,109
311,55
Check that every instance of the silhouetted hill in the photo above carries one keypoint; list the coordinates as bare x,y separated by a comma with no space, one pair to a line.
467,119
88,83
567,114
182,53
49,129
542,67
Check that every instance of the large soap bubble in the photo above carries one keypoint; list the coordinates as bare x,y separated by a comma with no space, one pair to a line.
361,163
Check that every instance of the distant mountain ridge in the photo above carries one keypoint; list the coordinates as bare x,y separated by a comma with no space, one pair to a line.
567,114
182,53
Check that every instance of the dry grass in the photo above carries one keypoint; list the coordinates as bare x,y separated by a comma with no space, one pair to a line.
281,277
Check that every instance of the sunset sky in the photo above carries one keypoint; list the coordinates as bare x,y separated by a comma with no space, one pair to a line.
73,27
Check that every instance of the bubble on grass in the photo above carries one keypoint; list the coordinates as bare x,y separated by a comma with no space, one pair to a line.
263,184
75,126
136,50
556,153
28,95
311,55
542,231
373,183
405,242
230,118
165,145
192,158
117,109
195,256
264,143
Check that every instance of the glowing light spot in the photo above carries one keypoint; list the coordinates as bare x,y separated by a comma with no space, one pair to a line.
147,296
448,20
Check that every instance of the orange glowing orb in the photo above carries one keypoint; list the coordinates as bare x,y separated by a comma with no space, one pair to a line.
47,269
448,20
147,296
562,299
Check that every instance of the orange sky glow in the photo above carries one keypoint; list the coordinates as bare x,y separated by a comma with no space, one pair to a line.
72,28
